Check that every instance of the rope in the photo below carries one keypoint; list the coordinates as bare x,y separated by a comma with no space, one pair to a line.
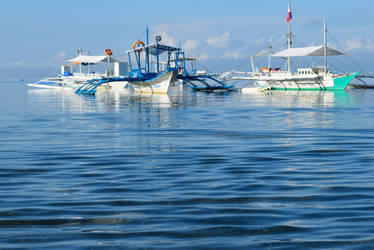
352,58
204,65
240,65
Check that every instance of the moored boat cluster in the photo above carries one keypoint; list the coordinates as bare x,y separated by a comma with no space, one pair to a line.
156,68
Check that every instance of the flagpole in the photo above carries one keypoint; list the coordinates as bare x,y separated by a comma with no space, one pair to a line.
325,44
289,17
289,46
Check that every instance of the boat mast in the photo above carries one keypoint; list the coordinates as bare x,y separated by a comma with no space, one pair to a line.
289,46
325,44
157,58
253,66
289,18
270,49
80,63
147,53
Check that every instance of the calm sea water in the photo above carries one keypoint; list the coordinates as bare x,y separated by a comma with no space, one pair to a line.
274,170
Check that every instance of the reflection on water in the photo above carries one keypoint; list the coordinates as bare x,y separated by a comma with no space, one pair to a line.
273,110
113,100
293,108
302,108
104,101
142,110
301,99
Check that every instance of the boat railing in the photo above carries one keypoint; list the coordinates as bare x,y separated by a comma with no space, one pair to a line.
87,75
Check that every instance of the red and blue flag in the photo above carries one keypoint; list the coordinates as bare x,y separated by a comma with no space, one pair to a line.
289,15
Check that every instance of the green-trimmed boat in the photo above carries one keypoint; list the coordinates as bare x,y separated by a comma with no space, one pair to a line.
313,78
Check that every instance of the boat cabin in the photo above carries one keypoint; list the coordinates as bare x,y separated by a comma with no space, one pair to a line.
305,71
88,66
311,71
150,64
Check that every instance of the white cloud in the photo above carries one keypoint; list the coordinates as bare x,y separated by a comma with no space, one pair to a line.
234,54
17,64
240,37
204,56
358,43
61,55
58,59
222,41
260,41
166,37
353,44
210,37
190,44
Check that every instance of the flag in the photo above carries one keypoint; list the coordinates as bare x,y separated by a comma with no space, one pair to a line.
289,15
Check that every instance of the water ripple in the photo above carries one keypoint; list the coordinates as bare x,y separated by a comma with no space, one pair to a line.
216,171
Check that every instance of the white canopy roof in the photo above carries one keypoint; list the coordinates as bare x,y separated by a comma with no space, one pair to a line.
307,51
153,49
92,59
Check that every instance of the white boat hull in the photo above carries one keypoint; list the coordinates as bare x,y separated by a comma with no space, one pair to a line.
299,84
329,82
162,84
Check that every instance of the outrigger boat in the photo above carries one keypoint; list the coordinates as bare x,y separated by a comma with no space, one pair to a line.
145,75
170,75
80,70
312,78
144,78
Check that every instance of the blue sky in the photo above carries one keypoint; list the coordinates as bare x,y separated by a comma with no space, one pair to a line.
40,35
